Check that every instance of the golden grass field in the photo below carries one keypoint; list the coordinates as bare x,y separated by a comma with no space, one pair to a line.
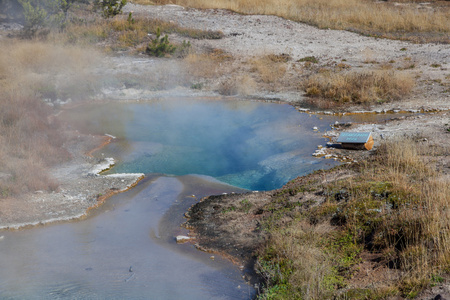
364,16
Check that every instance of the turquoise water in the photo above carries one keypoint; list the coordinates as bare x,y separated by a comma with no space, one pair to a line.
232,146
252,145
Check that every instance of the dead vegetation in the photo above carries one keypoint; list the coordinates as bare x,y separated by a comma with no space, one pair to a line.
360,87
394,209
407,20
121,34
31,139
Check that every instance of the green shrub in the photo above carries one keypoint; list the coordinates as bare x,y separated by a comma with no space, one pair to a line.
160,46
42,15
110,8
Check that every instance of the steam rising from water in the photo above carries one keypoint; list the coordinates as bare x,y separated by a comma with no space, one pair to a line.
252,145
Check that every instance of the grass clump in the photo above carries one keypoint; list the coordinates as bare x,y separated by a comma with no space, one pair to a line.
270,68
358,87
311,59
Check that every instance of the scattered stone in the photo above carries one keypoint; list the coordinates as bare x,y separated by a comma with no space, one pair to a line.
182,239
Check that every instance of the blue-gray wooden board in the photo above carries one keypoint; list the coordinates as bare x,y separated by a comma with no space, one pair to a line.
354,137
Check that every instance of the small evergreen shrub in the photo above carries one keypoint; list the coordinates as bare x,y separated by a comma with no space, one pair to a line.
160,46
110,8
42,15
182,50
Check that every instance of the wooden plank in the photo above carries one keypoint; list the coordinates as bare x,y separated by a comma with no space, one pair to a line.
354,137
356,140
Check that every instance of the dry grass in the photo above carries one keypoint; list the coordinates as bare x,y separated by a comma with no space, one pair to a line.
30,135
297,248
270,68
29,68
358,87
120,34
370,17
395,210
32,143
201,66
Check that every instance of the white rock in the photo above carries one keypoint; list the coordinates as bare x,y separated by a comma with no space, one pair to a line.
182,239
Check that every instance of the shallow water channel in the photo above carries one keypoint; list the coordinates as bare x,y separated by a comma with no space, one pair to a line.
188,149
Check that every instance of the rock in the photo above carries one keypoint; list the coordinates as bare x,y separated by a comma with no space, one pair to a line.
182,239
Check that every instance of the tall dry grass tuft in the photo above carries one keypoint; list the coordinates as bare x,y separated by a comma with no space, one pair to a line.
206,65
412,226
31,139
420,222
358,87
30,68
31,144
297,261
270,68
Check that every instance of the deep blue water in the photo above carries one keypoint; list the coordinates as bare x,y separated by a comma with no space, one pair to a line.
252,145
